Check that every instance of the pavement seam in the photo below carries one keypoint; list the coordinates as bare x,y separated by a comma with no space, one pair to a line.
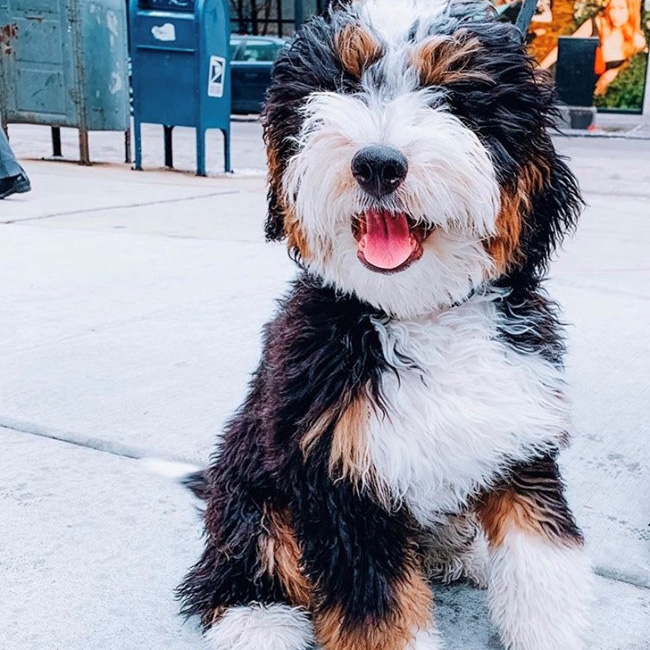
134,453
120,207
122,451
93,444
616,576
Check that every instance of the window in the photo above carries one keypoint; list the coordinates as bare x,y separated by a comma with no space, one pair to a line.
259,51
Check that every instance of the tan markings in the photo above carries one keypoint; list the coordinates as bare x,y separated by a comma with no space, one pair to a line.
412,610
209,620
280,557
443,60
515,203
349,455
296,239
502,511
317,430
357,49
504,246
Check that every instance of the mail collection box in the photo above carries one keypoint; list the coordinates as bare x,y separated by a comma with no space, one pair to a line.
181,70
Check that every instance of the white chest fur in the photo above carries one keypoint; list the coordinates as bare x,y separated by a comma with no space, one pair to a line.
464,408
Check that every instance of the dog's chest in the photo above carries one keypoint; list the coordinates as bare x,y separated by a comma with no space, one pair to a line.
461,406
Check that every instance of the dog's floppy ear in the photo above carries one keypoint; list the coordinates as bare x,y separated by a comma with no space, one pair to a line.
276,162
554,213
310,65
494,88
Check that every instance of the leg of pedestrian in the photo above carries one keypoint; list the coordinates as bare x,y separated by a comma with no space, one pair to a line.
13,179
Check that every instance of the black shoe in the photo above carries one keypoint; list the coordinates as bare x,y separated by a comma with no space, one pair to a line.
14,185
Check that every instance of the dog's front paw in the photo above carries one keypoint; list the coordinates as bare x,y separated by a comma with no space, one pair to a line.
262,627
427,639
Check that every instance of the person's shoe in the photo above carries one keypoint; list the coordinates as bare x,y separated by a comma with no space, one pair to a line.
14,185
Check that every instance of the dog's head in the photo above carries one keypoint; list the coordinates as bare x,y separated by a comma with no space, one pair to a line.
409,160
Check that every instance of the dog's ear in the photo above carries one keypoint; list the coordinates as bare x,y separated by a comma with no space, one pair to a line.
492,85
539,207
311,64
554,213
277,155
540,196
281,122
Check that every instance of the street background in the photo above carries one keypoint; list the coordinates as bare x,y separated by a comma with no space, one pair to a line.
132,304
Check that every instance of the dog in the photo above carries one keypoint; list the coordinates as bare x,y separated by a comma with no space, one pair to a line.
405,420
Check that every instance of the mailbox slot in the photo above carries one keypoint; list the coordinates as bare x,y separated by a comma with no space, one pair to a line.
162,31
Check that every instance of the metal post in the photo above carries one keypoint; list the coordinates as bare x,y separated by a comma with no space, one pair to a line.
137,129
298,13
127,146
56,142
169,151
226,151
646,99
254,22
84,147
200,151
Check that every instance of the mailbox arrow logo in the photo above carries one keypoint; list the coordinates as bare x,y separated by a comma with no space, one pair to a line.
216,76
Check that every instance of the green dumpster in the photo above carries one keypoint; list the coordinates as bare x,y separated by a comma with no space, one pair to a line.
64,63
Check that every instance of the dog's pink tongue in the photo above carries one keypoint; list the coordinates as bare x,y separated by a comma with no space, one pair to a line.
386,242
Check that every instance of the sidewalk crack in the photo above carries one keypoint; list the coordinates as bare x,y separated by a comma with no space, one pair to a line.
117,207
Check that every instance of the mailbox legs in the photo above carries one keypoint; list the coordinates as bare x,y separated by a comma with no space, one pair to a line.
169,150
127,146
226,150
84,148
56,142
137,131
200,151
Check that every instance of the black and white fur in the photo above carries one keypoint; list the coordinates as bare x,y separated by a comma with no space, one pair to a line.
402,426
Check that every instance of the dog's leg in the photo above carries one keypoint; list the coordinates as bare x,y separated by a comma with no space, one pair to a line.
539,582
456,549
261,627
371,591
248,587
374,607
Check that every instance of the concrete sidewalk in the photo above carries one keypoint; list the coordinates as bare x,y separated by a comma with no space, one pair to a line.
131,310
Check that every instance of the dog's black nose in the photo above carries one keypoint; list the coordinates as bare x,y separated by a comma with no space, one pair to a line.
379,170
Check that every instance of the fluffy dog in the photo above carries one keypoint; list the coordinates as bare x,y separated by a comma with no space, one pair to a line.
409,406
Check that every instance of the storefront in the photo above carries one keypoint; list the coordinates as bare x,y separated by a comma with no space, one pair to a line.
612,48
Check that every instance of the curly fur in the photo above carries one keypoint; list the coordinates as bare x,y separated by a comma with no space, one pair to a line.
402,428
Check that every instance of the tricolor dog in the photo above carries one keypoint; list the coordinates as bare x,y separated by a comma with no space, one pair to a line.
405,420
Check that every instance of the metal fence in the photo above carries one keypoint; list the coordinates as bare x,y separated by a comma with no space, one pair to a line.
272,17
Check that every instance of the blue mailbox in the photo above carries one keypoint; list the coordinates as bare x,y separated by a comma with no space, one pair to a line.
181,70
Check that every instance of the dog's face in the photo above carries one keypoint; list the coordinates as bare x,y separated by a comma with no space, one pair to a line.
408,153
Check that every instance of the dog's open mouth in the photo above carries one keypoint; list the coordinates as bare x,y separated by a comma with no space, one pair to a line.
388,242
